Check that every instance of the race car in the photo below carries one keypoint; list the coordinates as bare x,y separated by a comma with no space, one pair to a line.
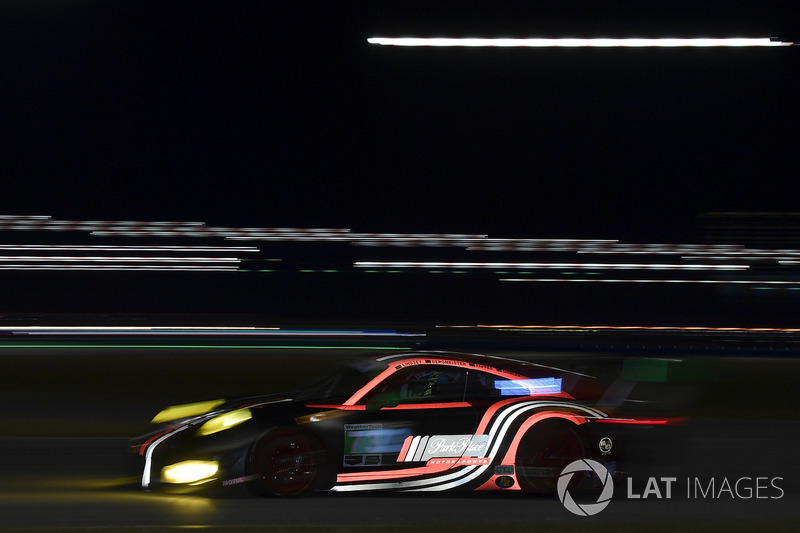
411,421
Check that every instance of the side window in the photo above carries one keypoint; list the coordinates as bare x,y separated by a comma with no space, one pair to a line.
485,386
481,386
424,384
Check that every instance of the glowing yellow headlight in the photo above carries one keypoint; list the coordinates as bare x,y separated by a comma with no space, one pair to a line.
181,411
226,421
189,471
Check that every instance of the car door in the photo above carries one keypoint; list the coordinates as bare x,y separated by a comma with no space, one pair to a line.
417,415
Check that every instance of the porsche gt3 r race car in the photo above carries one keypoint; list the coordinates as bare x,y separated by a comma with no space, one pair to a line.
413,421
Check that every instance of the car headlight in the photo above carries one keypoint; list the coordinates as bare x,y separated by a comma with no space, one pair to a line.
176,412
225,421
189,471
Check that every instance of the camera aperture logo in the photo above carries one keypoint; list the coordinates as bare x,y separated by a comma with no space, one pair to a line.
586,509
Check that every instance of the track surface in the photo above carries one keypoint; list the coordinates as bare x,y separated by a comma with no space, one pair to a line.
51,478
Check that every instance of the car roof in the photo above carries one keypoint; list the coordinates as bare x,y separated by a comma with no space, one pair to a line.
526,368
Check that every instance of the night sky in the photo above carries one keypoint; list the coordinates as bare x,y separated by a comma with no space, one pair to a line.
280,114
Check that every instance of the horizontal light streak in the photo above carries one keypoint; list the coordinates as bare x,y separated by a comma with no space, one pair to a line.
199,331
712,281
116,259
594,246
111,248
728,258
201,346
186,268
643,328
127,329
48,221
603,266
566,42
751,253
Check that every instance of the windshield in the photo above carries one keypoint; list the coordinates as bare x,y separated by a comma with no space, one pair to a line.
343,383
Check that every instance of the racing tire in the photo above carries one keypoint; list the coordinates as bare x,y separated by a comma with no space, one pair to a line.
543,453
284,462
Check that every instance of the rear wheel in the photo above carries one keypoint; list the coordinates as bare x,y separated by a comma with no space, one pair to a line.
285,462
543,453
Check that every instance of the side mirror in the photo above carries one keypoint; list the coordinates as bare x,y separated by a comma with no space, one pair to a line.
381,400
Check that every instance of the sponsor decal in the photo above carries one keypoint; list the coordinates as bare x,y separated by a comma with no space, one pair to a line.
447,362
238,480
605,445
504,470
422,448
455,446
504,482
369,439
495,426
355,427
460,461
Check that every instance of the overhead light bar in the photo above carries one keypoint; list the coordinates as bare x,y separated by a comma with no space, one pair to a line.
569,42
599,266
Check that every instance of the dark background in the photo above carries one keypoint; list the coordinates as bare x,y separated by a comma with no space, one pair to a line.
279,114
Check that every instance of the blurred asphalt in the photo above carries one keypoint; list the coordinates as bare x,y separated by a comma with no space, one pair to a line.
66,413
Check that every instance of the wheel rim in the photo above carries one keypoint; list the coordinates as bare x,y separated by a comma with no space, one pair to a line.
285,463
544,454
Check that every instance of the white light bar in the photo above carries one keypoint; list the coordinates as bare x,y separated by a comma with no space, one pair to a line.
111,248
115,259
598,266
577,43
711,281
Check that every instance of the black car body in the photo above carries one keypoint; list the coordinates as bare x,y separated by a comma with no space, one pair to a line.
412,421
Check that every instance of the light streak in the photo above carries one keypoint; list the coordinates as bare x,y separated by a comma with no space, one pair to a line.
604,266
663,42
171,268
643,328
111,248
215,346
727,258
117,259
712,281
199,330
48,221
137,328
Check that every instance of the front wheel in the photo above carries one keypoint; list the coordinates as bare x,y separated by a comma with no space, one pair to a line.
543,453
284,462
